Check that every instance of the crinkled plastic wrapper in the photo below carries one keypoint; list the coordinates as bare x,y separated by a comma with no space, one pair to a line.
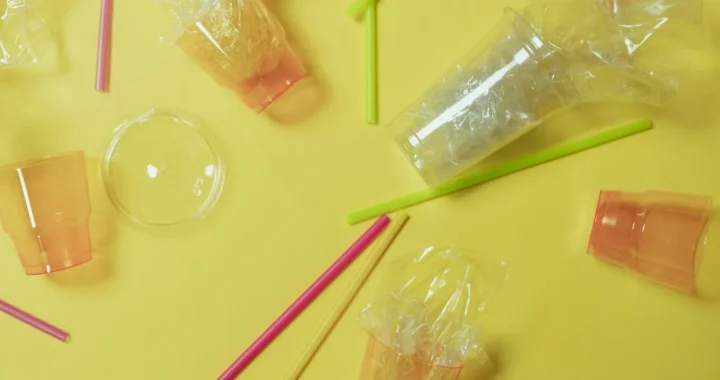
425,322
240,44
628,50
552,56
23,34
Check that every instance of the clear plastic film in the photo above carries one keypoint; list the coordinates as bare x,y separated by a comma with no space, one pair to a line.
552,56
241,44
23,34
425,321
638,50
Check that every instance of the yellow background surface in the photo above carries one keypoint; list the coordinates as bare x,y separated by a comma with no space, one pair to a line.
184,305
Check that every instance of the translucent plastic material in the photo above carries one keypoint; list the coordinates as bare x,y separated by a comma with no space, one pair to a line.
557,54
656,234
161,169
637,50
45,208
242,45
425,322
505,87
385,363
23,35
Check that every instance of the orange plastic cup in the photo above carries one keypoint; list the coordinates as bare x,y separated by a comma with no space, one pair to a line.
659,235
385,363
243,46
45,208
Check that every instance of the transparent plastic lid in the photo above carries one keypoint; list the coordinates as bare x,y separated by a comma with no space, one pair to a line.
162,170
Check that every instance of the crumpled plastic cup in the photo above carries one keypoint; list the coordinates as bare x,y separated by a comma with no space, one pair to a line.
45,208
384,363
24,38
243,46
504,88
628,50
659,235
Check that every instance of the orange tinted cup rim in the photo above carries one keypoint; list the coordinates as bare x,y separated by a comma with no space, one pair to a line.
78,260
25,164
415,358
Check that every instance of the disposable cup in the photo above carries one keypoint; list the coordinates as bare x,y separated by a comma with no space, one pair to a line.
385,363
243,46
507,85
45,208
659,235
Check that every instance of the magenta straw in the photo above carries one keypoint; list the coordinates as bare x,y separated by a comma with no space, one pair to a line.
305,299
34,322
102,71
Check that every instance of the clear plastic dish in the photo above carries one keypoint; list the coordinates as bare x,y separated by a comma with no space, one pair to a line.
161,169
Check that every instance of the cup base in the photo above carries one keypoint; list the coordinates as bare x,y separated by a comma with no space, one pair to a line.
385,363
262,90
68,263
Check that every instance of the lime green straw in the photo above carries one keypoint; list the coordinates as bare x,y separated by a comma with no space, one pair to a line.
358,8
558,151
371,63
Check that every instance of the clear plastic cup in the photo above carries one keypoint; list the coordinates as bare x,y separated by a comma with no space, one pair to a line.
384,363
659,235
243,46
505,87
45,208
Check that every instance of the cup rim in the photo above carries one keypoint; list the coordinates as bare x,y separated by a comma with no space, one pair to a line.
374,340
32,162
191,122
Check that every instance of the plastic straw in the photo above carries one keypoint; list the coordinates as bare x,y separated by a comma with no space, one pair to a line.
34,322
305,299
102,71
358,8
349,296
371,63
529,161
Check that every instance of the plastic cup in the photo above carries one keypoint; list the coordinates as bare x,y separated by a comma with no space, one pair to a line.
45,208
659,235
243,46
384,363
505,87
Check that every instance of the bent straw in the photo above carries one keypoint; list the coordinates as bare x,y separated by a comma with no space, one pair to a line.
371,63
349,296
358,8
102,70
305,299
34,322
497,171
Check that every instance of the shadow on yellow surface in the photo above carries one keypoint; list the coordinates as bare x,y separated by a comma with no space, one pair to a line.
301,101
490,369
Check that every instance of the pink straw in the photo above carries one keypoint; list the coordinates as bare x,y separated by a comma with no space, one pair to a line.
34,322
102,71
305,299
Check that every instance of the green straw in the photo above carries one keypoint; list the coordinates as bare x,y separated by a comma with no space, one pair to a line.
371,115
558,151
358,8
